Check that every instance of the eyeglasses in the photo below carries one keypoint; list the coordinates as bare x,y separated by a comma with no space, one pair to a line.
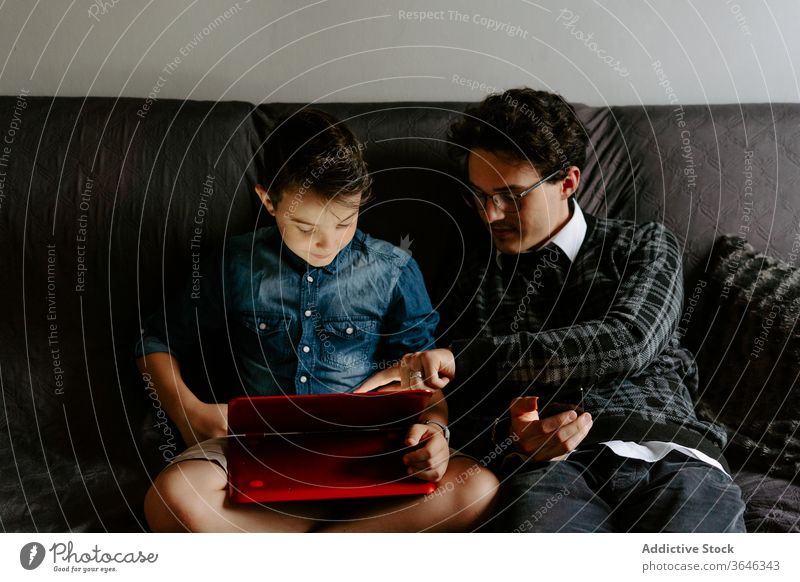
506,202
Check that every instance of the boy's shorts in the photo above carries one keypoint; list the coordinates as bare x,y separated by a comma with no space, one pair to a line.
214,450
211,450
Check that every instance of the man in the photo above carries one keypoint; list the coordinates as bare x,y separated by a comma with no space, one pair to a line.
577,316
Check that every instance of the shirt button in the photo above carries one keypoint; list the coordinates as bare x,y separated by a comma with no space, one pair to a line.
349,331
307,313
303,379
262,325
306,349
310,279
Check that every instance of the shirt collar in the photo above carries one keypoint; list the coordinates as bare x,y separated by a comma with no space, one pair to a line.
569,238
301,265
340,259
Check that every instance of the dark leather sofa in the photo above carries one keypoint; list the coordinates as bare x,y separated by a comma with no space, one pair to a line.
101,198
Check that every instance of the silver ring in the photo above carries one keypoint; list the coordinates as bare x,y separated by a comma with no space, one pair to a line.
415,375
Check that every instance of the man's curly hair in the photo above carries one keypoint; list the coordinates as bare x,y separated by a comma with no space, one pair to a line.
526,125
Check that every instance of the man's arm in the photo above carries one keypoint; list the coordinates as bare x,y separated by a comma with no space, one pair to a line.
642,319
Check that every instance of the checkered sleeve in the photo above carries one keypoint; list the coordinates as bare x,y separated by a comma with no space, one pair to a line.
634,331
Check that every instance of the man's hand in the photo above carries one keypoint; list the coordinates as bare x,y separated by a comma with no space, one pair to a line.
203,421
429,461
431,370
548,439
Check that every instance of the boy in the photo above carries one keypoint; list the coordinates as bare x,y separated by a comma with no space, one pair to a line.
310,306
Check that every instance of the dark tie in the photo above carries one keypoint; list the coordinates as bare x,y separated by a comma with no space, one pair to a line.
543,274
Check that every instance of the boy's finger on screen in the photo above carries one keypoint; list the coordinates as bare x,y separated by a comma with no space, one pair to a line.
379,379
393,387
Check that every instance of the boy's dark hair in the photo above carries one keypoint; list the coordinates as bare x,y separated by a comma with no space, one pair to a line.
311,150
526,125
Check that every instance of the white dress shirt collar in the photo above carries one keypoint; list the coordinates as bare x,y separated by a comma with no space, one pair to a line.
570,237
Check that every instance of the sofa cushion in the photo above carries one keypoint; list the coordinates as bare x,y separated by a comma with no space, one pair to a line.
748,357
773,505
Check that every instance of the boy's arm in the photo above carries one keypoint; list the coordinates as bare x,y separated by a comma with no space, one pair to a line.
170,334
199,305
195,420
437,409
408,326
410,320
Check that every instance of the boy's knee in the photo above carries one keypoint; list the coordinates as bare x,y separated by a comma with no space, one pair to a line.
160,510
484,483
476,485
176,502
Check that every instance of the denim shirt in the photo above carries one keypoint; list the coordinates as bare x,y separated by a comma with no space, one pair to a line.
299,329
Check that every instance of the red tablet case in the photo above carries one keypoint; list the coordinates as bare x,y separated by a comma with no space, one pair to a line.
322,446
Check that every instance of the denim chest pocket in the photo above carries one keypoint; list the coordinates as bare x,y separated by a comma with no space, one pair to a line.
266,335
349,342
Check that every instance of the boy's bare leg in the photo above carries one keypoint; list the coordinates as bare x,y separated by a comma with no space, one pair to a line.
191,496
463,501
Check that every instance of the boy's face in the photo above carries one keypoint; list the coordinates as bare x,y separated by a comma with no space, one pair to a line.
314,228
531,220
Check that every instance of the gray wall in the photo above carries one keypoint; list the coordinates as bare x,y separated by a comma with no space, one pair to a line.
709,51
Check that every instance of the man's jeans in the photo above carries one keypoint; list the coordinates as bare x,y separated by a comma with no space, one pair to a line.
596,490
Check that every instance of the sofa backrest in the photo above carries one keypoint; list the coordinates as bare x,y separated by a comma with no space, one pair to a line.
702,170
101,200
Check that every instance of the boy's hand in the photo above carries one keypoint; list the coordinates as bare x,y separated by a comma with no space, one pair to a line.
204,421
548,439
431,369
389,378
429,461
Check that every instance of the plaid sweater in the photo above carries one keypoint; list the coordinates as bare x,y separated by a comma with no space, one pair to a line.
600,332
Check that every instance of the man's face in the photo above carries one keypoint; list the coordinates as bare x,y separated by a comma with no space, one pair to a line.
314,228
531,220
